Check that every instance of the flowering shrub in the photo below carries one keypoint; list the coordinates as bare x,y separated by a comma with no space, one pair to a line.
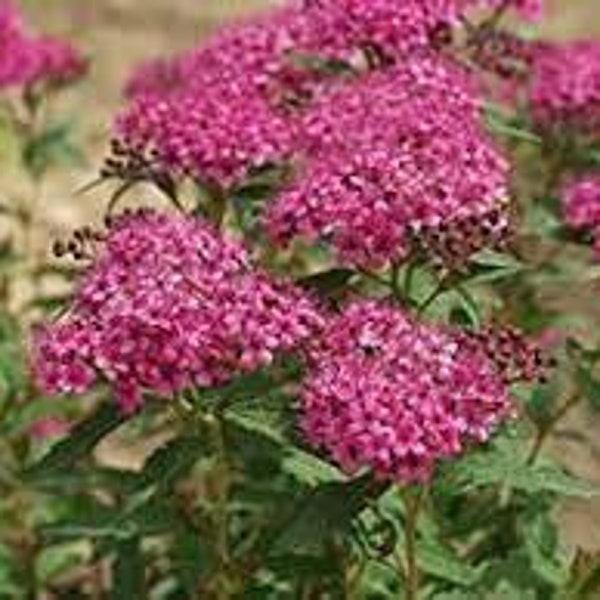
334,343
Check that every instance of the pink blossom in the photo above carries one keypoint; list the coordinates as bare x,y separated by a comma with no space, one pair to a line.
388,393
217,135
565,87
581,201
28,60
169,303
388,156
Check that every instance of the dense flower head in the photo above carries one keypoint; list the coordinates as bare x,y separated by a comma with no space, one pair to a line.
581,201
216,135
169,303
388,156
388,393
26,60
234,102
565,86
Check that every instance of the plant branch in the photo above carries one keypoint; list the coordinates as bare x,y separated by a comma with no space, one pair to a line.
546,430
412,504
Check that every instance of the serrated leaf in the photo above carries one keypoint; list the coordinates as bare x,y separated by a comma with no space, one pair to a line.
436,560
541,542
173,460
81,441
308,469
320,515
503,464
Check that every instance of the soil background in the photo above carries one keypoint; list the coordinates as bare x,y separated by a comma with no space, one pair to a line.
118,34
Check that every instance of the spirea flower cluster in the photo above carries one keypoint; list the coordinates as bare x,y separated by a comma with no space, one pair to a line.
169,303
388,393
565,86
26,59
388,156
389,149
580,198
581,201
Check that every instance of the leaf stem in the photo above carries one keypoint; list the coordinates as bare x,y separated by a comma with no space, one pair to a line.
412,504
546,430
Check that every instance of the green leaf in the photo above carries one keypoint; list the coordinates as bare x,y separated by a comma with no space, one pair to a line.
489,267
589,386
319,516
541,542
327,283
309,469
55,560
507,591
128,571
81,441
173,460
437,560
503,464
51,147
540,401
192,558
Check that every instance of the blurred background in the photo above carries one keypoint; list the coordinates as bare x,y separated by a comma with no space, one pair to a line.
118,34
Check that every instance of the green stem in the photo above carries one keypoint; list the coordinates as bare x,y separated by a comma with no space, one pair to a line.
223,480
412,504
545,431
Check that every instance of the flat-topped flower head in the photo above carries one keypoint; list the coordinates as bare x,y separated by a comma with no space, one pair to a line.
389,156
169,303
26,60
565,86
215,135
388,393
581,201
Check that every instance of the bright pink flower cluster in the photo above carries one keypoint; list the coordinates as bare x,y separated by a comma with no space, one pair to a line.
388,155
581,202
26,60
565,87
169,303
233,103
385,392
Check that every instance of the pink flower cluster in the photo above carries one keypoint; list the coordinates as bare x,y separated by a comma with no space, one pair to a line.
385,392
169,304
565,86
26,60
224,107
580,199
379,154
389,155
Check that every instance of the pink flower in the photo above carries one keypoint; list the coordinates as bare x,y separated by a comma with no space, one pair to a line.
26,60
385,392
581,201
565,87
388,157
169,303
